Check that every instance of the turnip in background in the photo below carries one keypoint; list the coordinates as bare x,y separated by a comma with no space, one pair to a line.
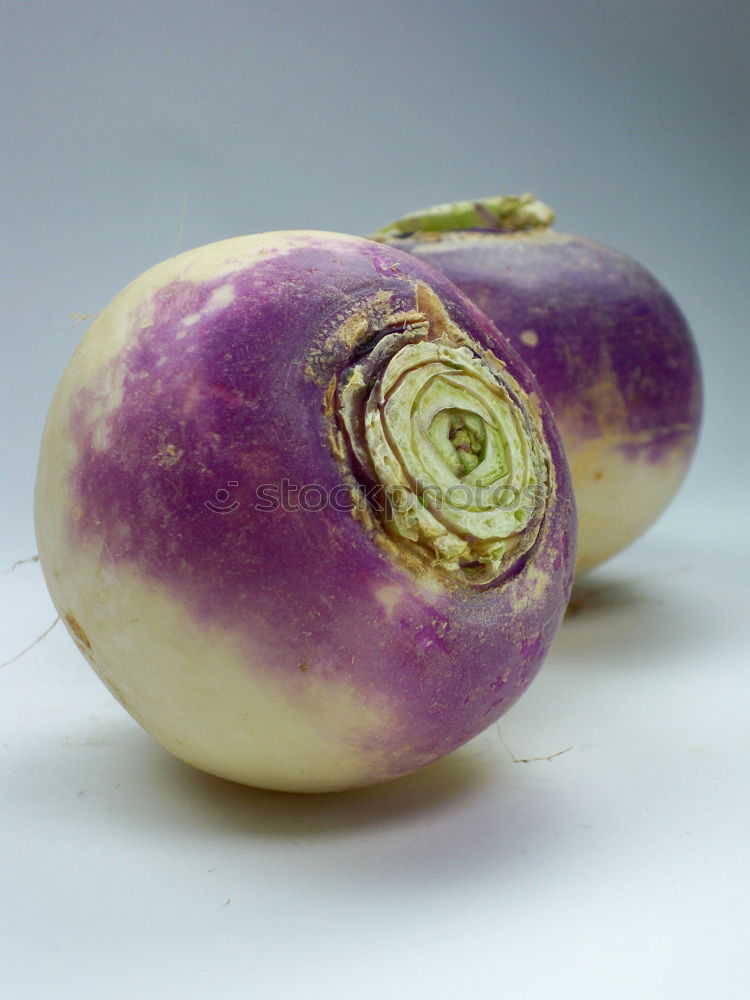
611,351
305,526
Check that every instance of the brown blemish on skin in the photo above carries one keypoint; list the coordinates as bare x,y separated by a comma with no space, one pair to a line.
535,409
168,456
371,321
352,332
433,310
334,435
80,636
440,626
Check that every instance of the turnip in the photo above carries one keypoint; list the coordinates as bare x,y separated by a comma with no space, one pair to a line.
610,348
307,527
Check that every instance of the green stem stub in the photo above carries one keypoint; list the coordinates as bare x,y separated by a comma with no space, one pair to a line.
460,466
500,213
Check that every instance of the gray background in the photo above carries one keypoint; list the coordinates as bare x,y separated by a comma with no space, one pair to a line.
616,869
133,130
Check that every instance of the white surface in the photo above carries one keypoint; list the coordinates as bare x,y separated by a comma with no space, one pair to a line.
614,870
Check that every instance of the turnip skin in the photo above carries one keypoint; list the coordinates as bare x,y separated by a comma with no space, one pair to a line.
610,348
285,649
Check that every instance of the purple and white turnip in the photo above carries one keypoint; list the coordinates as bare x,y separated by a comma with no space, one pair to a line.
303,512
611,351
